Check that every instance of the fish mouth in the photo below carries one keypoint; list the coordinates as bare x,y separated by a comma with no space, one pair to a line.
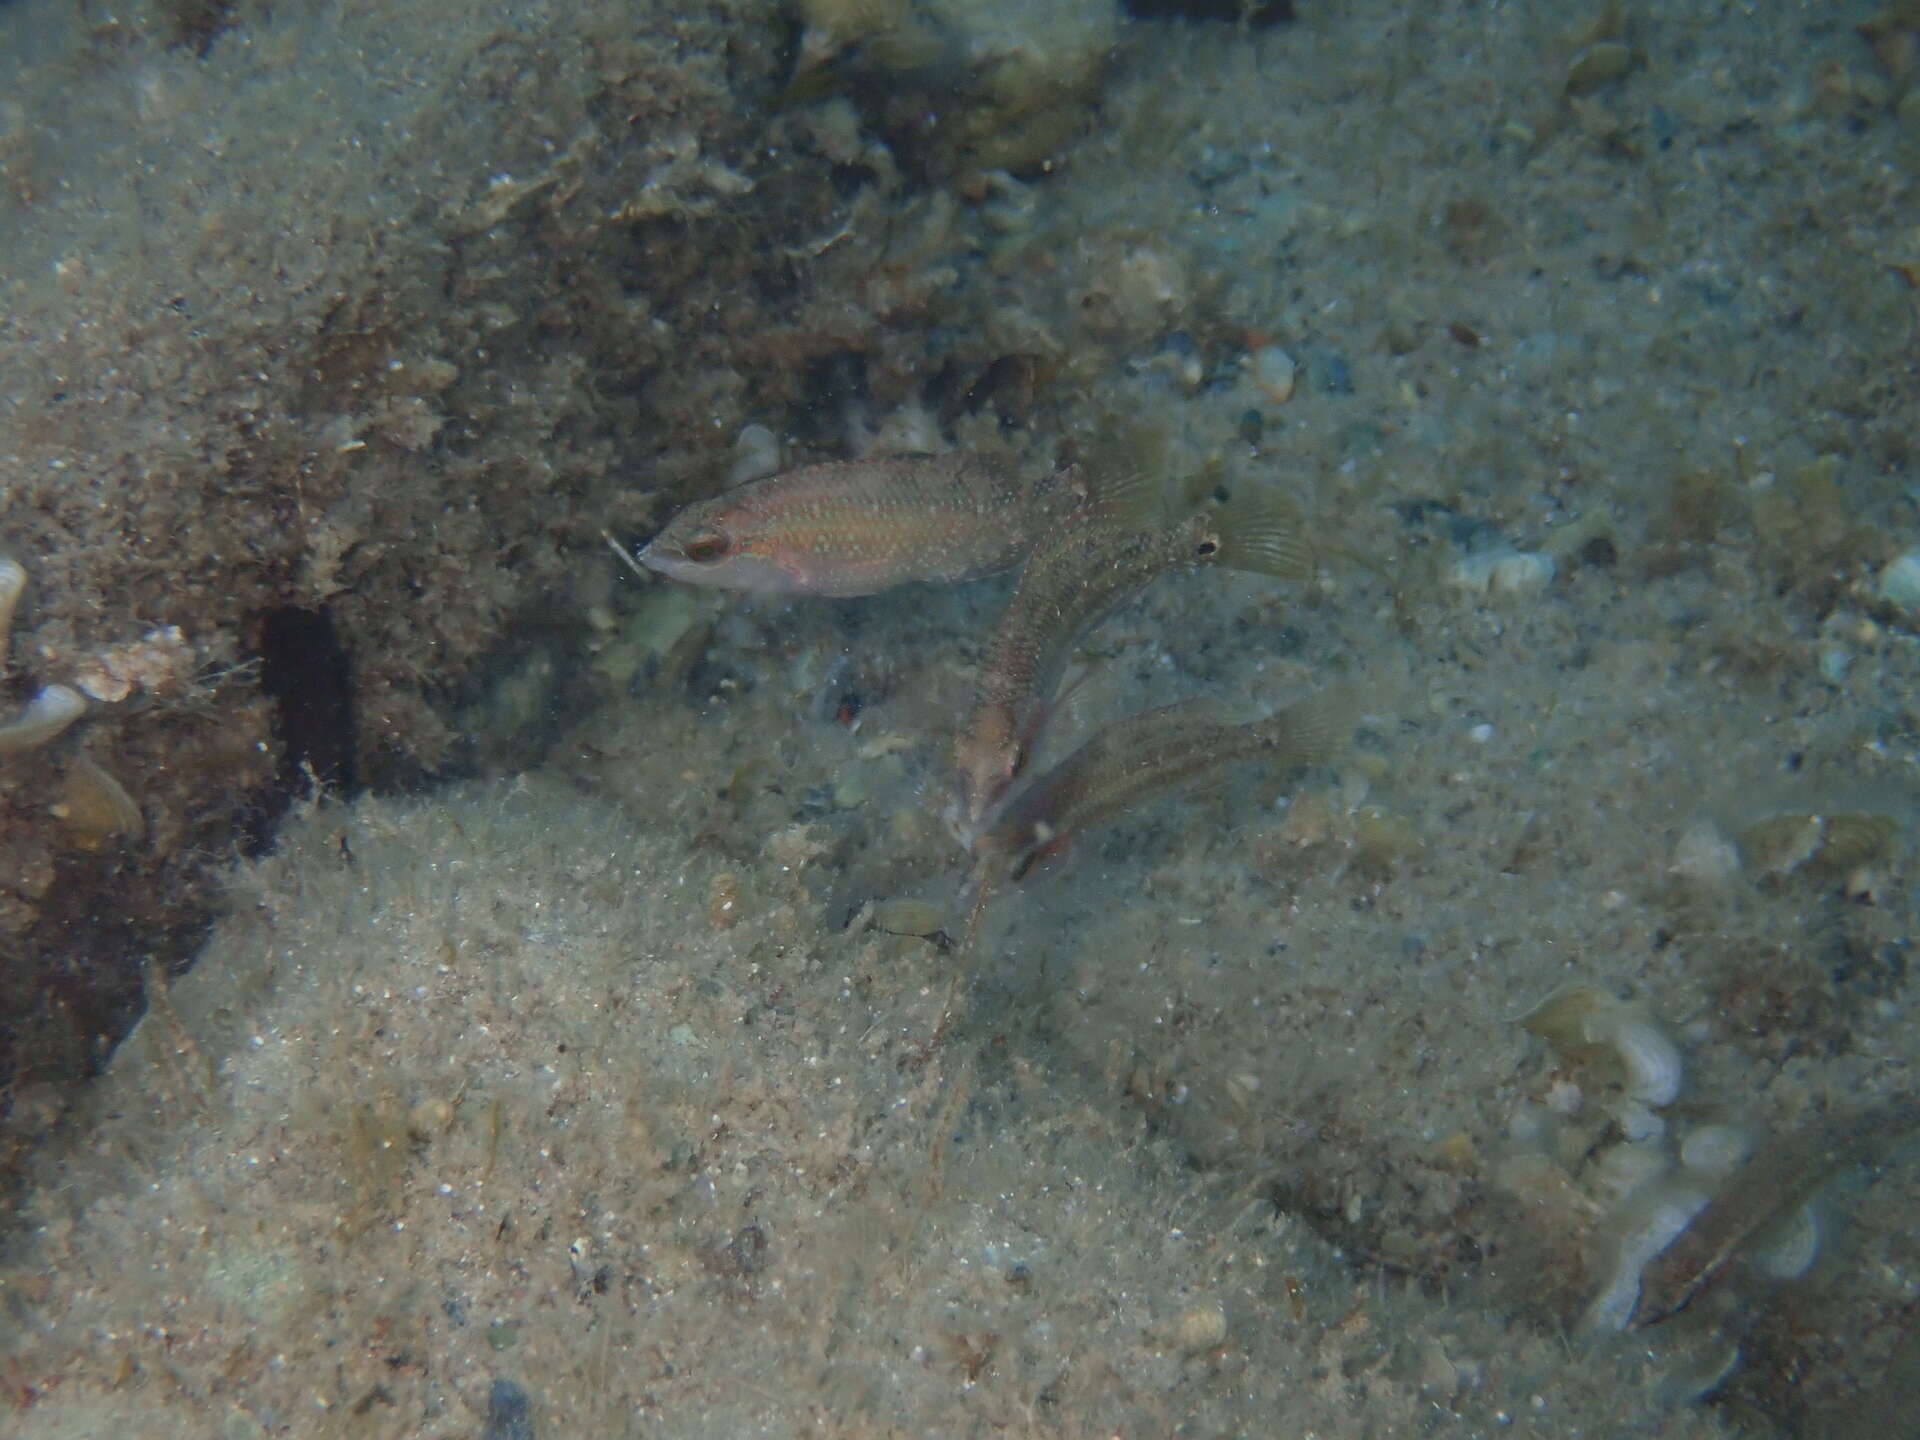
665,558
740,571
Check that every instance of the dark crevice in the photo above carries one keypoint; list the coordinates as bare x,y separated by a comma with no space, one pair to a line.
305,672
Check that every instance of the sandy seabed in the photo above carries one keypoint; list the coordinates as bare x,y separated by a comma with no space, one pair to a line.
574,1096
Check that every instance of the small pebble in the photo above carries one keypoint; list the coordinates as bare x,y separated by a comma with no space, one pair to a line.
1900,583
1200,1327
1274,372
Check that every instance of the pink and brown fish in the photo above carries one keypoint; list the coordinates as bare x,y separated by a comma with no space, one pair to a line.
858,527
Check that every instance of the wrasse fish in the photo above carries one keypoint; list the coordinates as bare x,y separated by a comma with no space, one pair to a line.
1072,582
857,527
1147,752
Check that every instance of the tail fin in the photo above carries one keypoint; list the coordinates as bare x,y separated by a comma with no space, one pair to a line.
1127,475
1313,731
1262,532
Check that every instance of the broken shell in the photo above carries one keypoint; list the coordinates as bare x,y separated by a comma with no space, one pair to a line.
46,715
96,808
1652,1060
756,455
1561,1019
13,581
1580,1021
1826,845
907,917
1665,1211
1505,573
1781,844
1853,840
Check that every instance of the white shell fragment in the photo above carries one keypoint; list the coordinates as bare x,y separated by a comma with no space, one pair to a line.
756,455
1652,1061
1705,857
1667,1215
1505,573
47,714
13,580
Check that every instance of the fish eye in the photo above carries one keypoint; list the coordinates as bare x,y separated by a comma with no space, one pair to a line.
1207,548
706,547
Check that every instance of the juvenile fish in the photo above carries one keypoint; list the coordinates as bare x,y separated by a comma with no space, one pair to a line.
857,527
1072,582
1769,1188
1148,752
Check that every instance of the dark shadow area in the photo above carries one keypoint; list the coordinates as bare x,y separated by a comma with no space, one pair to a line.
305,672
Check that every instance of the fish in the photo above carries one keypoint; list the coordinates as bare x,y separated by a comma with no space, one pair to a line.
858,527
1784,1176
1134,757
1072,582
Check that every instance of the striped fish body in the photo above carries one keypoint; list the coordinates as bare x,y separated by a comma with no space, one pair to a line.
1144,753
862,526
1072,582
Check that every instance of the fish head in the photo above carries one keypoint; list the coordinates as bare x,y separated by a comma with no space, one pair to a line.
985,762
1018,841
704,546
1036,849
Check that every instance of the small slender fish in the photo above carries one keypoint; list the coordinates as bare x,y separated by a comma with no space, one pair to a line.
1072,582
1768,1188
858,527
1146,752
